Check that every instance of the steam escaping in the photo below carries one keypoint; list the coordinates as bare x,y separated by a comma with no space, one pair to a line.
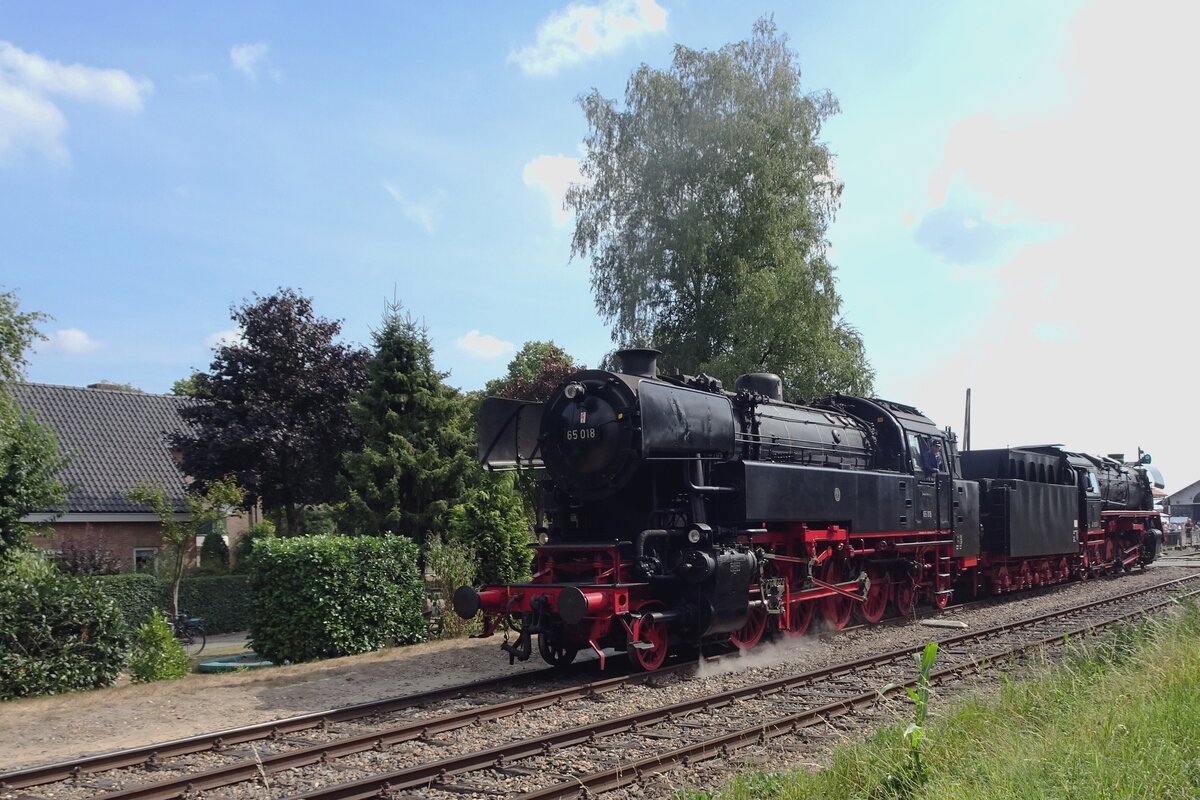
765,655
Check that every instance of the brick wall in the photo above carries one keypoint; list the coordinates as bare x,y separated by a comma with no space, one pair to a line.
122,538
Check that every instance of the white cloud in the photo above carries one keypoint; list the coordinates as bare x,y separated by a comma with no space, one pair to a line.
222,338
481,345
109,87
424,213
29,120
581,32
552,176
69,341
1088,328
253,60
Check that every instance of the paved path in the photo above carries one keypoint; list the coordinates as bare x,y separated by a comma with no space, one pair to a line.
227,642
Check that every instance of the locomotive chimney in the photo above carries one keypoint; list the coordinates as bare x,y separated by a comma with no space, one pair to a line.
640,361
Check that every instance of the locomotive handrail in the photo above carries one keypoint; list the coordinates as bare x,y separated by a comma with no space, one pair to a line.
708,489
791,441
905,545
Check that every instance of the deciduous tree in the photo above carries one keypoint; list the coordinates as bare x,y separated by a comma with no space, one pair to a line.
704,212
18,330
273,409
534,372
185,387
29,458
204,508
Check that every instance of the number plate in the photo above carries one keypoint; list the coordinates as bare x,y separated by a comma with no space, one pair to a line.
580,434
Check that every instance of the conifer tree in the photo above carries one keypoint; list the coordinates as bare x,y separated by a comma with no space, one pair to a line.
415,456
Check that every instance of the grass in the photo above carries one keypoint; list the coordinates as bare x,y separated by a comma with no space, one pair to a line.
1118,718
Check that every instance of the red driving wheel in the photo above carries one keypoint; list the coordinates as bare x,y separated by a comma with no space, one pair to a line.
749,634
878,594
649,650
836,609
905,596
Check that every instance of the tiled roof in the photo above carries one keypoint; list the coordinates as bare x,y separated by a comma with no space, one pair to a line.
114,440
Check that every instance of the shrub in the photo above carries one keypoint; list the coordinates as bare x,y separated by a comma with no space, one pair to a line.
320,520
491,519
86,554
157,654
243,550
58,633
214,553
452,565
323,596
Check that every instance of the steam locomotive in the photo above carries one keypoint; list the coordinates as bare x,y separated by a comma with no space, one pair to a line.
681,513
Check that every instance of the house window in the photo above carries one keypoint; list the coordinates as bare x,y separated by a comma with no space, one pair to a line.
145,559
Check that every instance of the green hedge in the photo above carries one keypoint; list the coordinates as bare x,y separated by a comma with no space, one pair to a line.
58,633
135,595
323,596
222,601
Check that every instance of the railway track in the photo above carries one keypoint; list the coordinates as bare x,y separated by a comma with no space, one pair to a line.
602,755
158,756
1190,558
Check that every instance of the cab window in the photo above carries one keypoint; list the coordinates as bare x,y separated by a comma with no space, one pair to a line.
914,452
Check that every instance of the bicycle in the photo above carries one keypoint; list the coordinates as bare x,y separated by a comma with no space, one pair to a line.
189,631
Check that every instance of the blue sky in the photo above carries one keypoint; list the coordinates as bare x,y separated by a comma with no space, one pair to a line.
1017,214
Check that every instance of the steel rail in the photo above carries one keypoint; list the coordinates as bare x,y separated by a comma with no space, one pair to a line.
430,774
247,769
155,753
272,763
219,740
74,768
626,774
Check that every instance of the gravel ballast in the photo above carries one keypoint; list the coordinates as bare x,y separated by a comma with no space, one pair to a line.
57,728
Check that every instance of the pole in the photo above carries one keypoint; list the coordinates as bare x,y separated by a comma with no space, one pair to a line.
967,423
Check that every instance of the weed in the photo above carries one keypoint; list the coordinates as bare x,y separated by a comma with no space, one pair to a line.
913,773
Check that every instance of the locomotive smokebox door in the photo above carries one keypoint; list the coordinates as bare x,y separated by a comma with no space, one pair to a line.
589,434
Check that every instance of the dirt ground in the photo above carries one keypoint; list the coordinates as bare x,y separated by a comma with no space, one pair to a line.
45,729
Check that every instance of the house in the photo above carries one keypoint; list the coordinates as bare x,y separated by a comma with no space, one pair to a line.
114,439
1185,502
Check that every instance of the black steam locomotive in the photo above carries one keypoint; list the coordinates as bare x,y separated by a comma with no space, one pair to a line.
679,512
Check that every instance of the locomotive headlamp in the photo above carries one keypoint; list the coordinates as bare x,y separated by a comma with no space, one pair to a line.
574,391
694,536
543,538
